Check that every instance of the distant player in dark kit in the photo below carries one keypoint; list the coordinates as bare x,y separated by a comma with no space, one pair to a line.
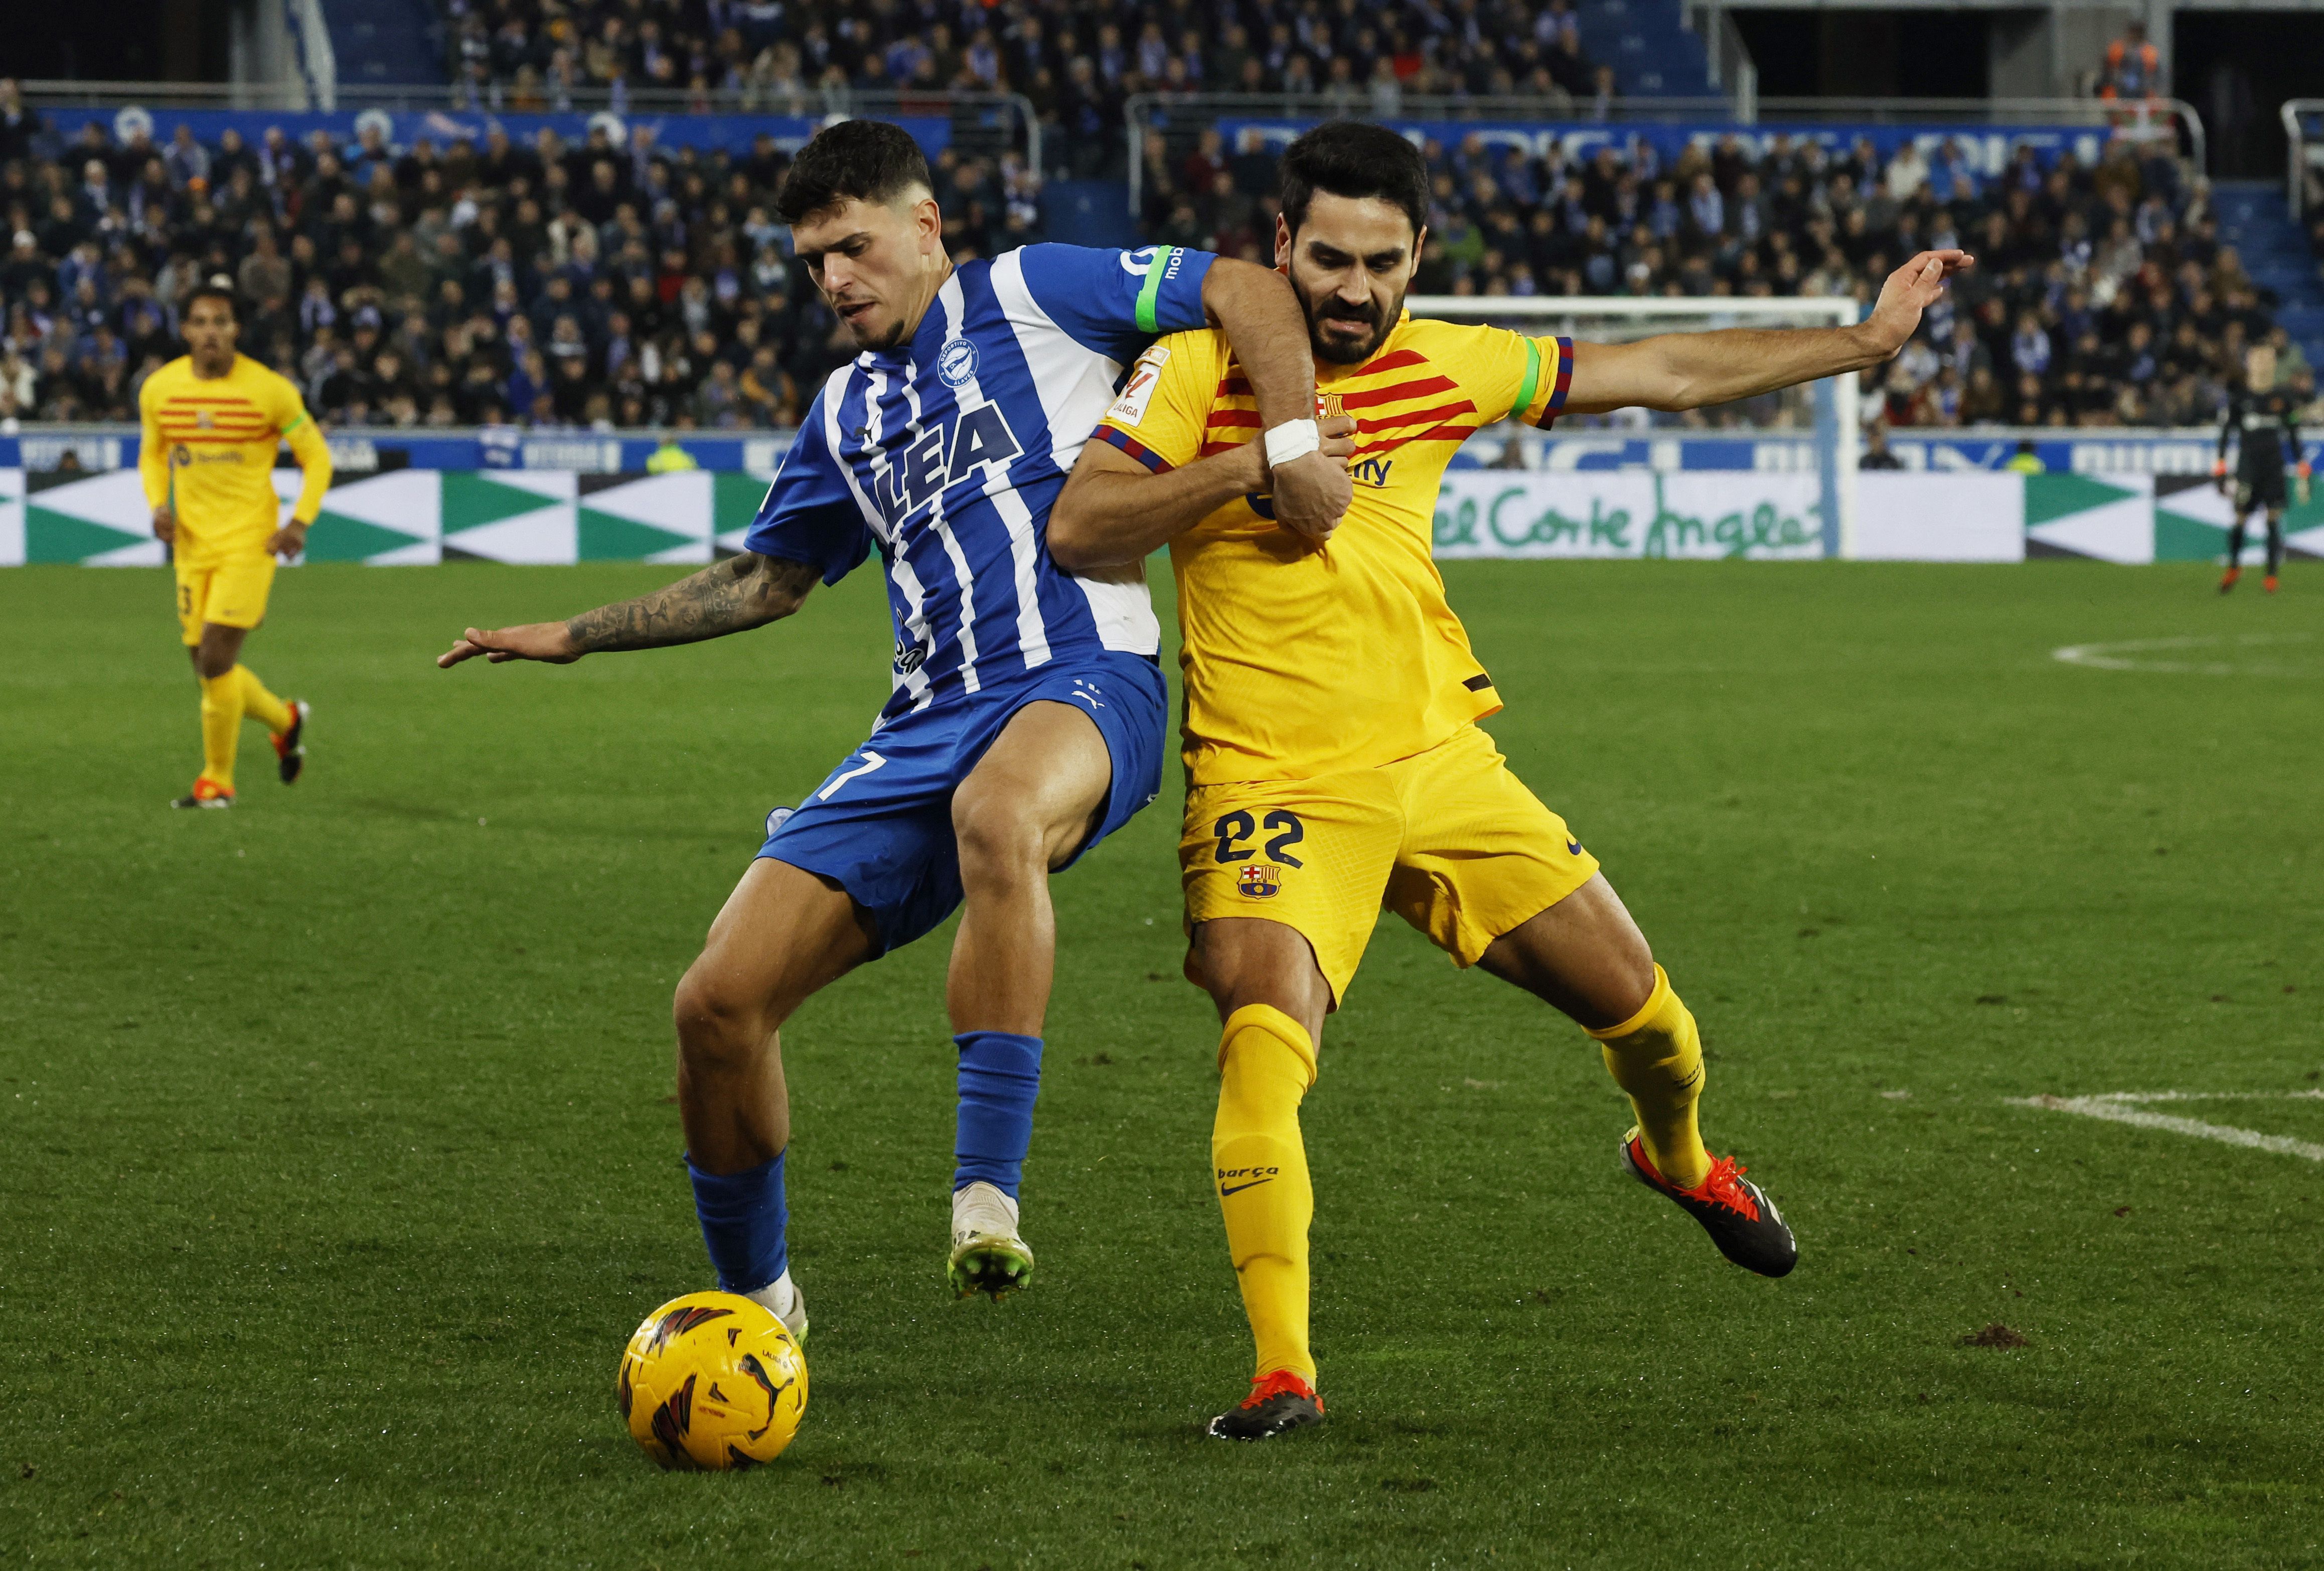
2268,418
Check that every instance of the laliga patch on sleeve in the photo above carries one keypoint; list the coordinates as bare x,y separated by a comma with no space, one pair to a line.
1130,409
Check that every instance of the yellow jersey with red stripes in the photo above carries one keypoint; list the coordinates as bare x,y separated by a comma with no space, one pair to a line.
1299,660
208,451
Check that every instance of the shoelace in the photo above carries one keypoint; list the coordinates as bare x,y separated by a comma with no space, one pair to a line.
1275,1384
1724,1185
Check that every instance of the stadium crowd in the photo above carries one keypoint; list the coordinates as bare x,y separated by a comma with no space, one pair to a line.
1078,61
2101,297
549,284
622,284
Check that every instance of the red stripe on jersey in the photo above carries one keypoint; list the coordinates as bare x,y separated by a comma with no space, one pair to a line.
1425,388
1415,417
1443,433
213,440
189,398
1233,417
1396,360
1133,446
1564,383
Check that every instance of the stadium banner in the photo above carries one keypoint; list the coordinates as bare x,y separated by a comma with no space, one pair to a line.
1505,513
1983,150
410,517
730,134
1969,517
1572,445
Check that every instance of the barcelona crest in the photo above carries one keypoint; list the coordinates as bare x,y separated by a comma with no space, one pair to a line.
1258,880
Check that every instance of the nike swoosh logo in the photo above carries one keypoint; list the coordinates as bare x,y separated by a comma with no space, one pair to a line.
1238,1189
1086,698
1572,846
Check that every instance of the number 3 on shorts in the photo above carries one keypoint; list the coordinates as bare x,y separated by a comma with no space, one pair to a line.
872,761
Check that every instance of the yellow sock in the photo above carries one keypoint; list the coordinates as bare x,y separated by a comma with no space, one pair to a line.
261,704
1267,1061
1656,1056
221,727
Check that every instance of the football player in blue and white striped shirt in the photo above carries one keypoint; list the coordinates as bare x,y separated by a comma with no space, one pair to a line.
1028,714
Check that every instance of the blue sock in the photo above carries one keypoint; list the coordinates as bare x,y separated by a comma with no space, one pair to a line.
742,1223
999,1076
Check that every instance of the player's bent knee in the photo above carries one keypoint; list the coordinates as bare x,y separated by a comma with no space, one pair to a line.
997,838
1245,962
719,1024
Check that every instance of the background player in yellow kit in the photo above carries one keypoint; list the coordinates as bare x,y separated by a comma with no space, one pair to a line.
213,420
1334,761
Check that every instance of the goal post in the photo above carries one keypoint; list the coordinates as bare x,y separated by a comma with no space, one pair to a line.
1815,428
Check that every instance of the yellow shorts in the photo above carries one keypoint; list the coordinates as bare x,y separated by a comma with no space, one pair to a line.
1448,839
232,594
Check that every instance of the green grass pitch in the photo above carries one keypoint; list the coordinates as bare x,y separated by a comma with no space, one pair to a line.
336,1156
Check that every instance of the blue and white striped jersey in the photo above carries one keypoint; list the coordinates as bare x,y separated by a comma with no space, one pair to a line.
946,453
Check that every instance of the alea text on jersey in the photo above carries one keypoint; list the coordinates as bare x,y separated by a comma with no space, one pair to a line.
933,461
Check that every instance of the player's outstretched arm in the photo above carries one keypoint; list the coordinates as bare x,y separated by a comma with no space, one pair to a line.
1268,331
1113,512
1674,371
743,592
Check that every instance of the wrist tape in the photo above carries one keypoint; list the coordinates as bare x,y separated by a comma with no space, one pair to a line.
1292,440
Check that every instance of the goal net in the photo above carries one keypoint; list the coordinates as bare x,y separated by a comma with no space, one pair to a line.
1769,477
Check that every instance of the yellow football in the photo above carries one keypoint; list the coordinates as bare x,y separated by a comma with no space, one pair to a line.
711,1380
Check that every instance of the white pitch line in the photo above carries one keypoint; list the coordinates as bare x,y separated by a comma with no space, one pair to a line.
2117,1109
2211,1097
2117,656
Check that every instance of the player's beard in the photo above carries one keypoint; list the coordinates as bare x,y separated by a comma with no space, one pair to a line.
1341,351
878,341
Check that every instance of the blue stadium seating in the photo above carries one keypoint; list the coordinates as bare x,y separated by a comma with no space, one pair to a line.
386,42
1653,54
2253,219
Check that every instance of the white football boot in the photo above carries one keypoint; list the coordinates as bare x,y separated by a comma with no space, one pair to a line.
790,1305
987,1254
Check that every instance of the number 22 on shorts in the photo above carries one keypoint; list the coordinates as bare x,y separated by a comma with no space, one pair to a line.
1234,829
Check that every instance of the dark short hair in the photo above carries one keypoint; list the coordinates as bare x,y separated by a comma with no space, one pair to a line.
1349,158
863,161
217,287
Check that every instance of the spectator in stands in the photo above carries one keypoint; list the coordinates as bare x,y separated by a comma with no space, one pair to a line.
19,123
2133,67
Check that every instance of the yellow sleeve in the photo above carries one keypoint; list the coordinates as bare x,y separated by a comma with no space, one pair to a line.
1511,376
308,446
1159,416
153,456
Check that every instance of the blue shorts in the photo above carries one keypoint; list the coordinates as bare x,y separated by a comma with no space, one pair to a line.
880,826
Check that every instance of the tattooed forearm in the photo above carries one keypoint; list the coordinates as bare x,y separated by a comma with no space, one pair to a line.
740,592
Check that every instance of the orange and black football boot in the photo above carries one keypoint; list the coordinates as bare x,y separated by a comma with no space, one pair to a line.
2268,583
206,793
2228,580
290,746
1278,1402
1741,1221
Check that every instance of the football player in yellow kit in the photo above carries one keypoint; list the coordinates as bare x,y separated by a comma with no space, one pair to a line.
1334,765
212,422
